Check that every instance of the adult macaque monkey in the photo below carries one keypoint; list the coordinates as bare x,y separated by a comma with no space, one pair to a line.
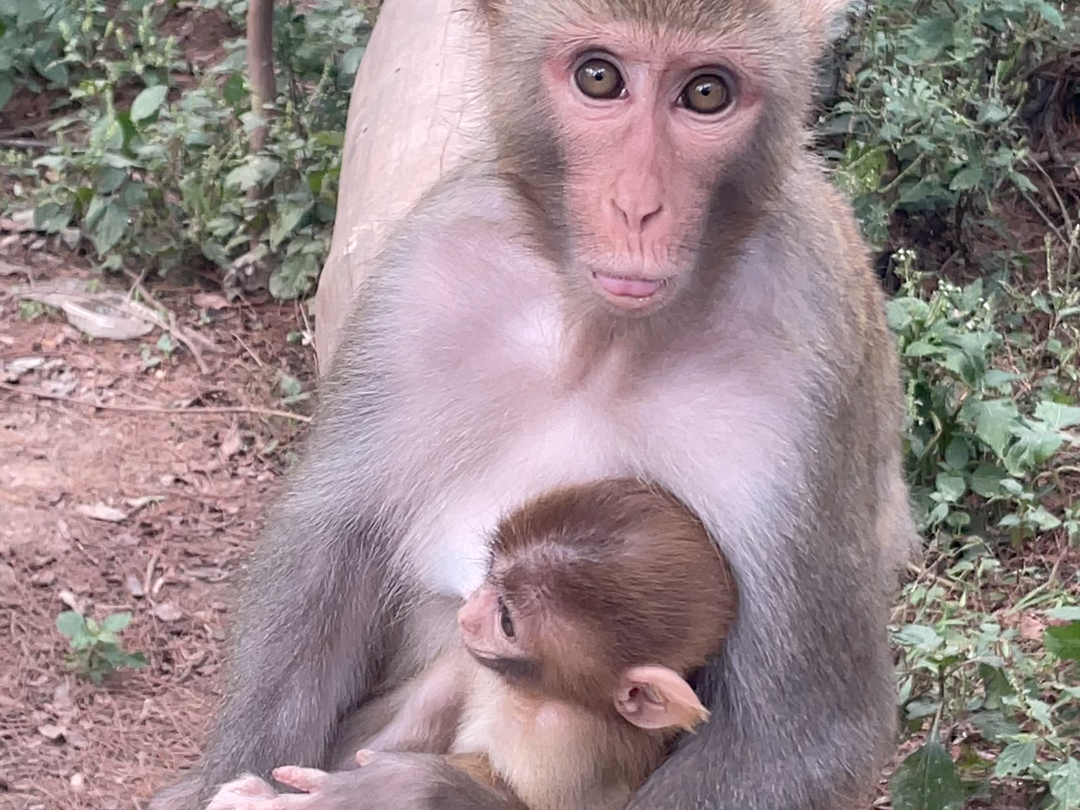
654,279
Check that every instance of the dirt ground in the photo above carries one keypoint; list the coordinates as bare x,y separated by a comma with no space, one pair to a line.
185,491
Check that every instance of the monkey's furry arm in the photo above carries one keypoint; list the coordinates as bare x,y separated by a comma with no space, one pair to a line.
313,626
791,728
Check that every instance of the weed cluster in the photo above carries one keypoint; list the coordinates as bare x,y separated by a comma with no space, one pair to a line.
930,131
147,157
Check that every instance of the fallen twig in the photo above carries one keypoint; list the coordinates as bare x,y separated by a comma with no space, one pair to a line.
169,324
922,572
197,410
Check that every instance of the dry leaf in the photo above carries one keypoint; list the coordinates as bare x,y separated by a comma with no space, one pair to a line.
168,612
8,269
61,697
101,511
51,732
210,301
1031,627
231,444
44,578
134,586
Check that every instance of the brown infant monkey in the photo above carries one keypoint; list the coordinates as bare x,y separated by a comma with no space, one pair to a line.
598,601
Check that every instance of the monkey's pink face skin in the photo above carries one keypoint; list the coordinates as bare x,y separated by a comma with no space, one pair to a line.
649,121
481,621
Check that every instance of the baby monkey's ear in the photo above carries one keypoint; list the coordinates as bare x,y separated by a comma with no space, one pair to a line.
657,697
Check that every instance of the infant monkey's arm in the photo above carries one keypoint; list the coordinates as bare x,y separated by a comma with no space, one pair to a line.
427,709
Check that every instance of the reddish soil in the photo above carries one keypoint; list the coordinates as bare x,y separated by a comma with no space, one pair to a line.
189,489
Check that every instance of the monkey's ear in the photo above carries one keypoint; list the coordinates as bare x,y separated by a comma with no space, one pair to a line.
657,697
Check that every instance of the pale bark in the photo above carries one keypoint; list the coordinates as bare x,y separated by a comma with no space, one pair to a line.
416,110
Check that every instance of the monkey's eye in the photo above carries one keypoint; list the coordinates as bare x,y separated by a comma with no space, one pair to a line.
707,94
598,78
505,622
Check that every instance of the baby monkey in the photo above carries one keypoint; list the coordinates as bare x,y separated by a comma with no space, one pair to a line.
599,600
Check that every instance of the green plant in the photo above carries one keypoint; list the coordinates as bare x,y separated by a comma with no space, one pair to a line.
929,109
95,647
163,181
990,441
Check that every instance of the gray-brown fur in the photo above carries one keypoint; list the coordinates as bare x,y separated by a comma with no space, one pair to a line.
766,398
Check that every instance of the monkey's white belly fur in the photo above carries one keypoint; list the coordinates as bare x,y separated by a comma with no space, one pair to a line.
563,449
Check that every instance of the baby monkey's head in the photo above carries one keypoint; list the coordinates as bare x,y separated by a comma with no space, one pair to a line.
605,596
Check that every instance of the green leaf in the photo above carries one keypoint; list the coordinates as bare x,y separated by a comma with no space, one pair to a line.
933,36
255,171
1049,13
967,178
993,421
110,179
994,725
996,685
116,622
70,623
1065,785
51,217
950,487
233,90
148,102
986,480
111,227
1063,641
1015,759
993,113
927,780
290,386
918,635
1057,415
956,454
1035,444
289,217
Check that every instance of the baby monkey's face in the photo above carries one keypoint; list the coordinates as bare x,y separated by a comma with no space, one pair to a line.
498,639
511,642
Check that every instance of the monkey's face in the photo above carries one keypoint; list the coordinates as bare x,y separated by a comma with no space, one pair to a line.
650,124
493,637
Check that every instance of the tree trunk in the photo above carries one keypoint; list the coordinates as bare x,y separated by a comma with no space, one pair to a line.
416,109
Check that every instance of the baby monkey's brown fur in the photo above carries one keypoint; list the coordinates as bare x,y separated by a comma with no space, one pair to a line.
598,601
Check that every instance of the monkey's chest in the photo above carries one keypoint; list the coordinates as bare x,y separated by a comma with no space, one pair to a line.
496,473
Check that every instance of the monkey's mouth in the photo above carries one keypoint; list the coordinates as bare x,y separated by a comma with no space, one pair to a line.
631,291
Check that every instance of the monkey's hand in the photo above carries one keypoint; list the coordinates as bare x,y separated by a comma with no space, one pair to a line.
246,793
402,781
252,793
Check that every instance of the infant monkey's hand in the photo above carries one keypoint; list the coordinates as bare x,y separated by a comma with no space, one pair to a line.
252,793
245,793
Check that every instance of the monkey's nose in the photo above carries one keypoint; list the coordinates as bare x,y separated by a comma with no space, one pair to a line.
468,621
635,214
